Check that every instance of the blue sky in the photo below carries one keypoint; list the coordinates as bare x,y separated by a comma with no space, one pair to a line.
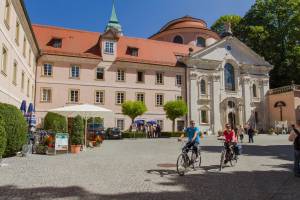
139,18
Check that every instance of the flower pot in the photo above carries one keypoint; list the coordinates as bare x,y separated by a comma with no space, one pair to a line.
75,148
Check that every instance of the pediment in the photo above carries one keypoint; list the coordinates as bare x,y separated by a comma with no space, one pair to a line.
230,48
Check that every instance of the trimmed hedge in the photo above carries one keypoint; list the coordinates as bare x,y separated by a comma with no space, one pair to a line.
133,135
77,131
55,122
16,128
171,134
3,139
142,135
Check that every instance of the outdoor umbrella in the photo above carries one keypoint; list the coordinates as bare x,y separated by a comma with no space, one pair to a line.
139,121
86,111
31,116
23,107
152,122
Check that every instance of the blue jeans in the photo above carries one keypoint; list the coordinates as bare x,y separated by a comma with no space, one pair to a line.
297,162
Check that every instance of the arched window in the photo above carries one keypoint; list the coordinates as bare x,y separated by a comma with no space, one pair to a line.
202,87
229,77
200,42
178,39
254,90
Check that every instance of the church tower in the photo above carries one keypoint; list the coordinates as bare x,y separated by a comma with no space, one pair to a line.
114,22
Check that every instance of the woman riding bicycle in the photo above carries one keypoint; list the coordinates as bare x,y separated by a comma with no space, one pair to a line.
230,138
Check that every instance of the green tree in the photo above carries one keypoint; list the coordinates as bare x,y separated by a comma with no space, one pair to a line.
97,120
133,109
174,110
219,25
2,138
55,122
77,131
16,128
271,28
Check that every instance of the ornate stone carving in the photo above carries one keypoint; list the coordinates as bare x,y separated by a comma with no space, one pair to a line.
216,77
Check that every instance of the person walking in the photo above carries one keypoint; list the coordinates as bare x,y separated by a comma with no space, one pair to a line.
295,138
158,130
241,133
250,133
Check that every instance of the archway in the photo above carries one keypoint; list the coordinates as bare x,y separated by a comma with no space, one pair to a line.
232,120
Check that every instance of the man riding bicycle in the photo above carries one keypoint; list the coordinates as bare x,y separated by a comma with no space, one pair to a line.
192,133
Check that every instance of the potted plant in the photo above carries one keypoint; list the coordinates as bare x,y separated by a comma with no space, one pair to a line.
77,134
98,141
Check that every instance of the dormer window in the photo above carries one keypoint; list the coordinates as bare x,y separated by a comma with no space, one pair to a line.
109,48
55,42
132,51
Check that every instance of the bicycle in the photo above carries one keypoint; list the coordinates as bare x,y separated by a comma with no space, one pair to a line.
228,154
188,159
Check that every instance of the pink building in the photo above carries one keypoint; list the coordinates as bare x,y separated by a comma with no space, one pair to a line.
107,69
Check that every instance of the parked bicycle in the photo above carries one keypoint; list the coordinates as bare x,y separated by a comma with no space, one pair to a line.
228,154
188,159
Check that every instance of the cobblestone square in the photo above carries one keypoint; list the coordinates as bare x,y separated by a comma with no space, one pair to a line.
145,169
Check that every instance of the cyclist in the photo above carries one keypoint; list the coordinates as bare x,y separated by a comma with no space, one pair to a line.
192,133
230,139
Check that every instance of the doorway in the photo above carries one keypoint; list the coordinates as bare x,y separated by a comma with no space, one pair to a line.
232,120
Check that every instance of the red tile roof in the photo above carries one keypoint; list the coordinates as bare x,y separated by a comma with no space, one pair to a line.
85,44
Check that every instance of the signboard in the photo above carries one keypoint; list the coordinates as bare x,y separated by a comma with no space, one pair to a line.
61,141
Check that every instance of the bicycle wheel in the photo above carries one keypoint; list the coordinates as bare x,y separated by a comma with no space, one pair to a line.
233,160
222,159
197,162
182,164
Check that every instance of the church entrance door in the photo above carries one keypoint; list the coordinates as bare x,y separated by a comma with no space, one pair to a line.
232,120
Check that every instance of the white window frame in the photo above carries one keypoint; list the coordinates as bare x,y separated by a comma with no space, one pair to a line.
17,33
100,97
15,73
49,69
22,81
137,77
102,71
140,96
159,78
72,95
178,98
120,97
109,47
24,46
7,13
76,71
159,100
4,60
122,127
46,95
177,82
120,75
28,87
207,117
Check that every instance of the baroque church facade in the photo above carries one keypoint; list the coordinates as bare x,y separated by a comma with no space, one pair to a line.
220,78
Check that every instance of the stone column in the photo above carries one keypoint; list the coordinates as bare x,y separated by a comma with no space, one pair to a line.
216,100
193,97
264,92
247,99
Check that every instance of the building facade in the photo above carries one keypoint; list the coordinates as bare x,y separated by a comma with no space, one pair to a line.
284,106
228,83
107,69
18,54
221,79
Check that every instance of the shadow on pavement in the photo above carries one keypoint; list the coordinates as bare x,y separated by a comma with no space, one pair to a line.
284,152
267,185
